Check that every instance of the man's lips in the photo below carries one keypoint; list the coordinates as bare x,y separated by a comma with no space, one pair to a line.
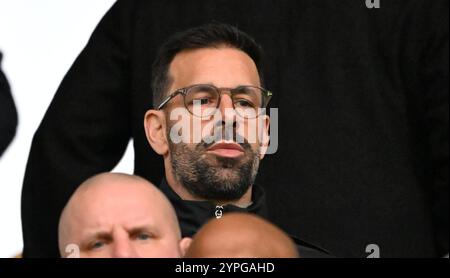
231,150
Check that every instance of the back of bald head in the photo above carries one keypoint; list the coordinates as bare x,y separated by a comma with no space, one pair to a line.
239,235
101,187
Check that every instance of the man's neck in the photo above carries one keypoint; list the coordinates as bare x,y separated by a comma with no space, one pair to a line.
180,190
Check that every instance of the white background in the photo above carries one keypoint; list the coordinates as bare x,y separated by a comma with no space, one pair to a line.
40,40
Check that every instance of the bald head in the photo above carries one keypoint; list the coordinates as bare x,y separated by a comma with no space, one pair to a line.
239,235
119,215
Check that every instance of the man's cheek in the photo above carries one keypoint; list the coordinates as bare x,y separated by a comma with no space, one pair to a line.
248,129
184,128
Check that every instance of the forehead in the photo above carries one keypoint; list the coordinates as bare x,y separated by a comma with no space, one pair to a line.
222,66
103,208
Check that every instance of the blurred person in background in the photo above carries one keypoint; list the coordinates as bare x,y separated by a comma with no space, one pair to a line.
241,235
8,113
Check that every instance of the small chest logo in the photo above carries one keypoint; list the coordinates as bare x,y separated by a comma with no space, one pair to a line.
371,4
219,212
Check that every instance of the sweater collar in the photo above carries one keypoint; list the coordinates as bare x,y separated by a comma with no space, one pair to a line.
194,214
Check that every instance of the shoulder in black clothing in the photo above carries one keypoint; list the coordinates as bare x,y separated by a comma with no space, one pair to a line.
8,113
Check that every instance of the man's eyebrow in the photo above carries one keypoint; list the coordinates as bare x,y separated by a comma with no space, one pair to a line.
105,235
153,229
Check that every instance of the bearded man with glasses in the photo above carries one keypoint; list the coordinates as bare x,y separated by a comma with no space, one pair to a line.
211,74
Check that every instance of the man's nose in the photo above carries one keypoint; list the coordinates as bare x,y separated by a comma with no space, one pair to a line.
227,108
123,248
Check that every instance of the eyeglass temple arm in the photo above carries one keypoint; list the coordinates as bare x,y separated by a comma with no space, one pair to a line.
168,98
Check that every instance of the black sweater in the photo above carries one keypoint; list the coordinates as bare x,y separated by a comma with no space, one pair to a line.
363,117
192,215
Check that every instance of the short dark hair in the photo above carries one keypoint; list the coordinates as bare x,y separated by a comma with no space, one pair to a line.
206,36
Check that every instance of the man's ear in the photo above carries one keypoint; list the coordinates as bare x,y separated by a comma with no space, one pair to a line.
155,130
185,243
265,138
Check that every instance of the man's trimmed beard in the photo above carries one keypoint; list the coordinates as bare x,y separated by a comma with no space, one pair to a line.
228,180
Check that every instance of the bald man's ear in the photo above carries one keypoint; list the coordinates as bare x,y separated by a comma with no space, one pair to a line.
265,138
185,243
155,130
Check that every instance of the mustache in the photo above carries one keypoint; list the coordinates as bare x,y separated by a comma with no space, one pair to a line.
227,133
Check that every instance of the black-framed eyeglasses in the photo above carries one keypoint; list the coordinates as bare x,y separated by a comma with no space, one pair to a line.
203,100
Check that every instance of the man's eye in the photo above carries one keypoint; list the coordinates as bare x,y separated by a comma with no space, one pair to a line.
143,237
202,101
243,103
97,245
